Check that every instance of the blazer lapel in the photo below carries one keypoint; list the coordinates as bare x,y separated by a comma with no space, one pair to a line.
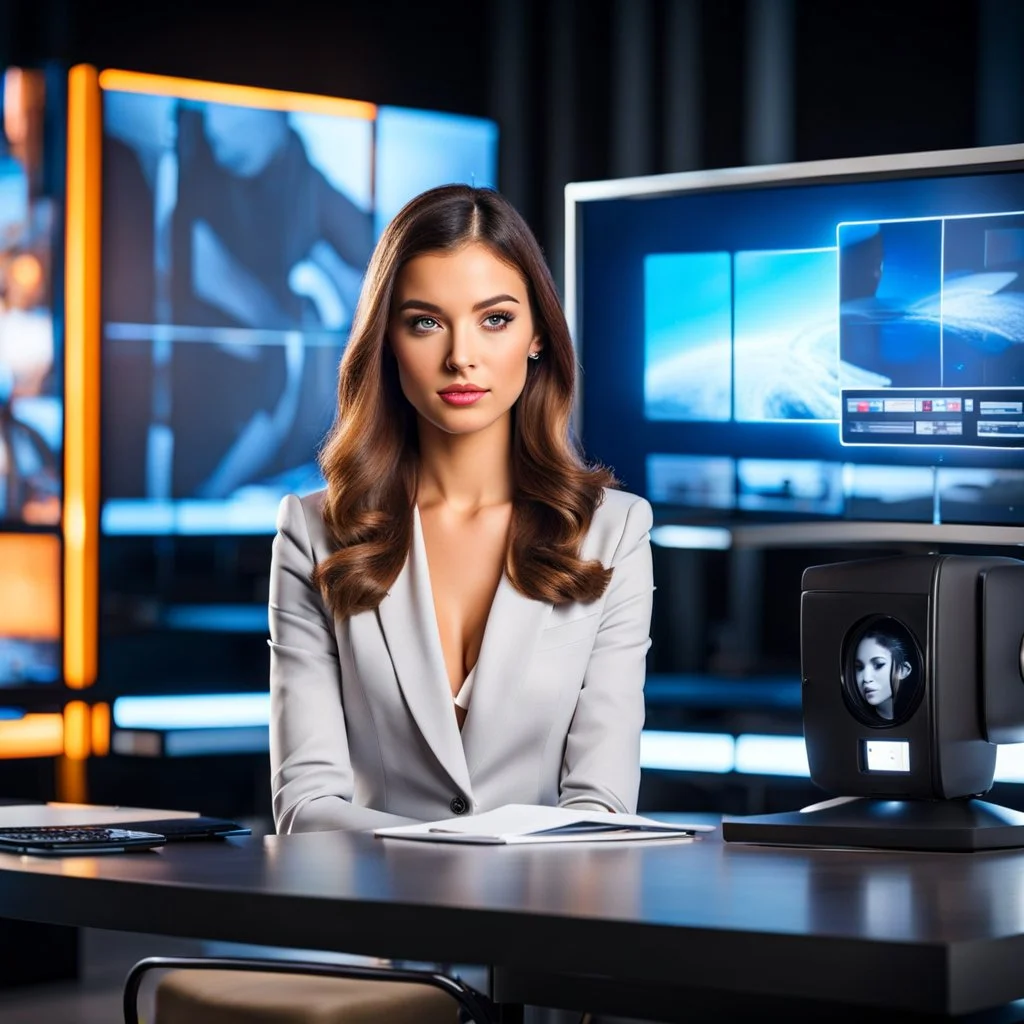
409,623
514,626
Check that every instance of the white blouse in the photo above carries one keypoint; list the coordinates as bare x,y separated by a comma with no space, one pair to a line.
466,690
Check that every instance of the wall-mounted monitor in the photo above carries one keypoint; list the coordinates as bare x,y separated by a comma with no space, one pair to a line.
840,340
236,227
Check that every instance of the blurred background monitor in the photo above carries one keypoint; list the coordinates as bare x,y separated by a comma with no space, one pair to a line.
829,341
31,365
236,228
32,152
30,609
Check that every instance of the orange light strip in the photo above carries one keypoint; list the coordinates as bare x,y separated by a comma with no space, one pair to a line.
76,730
238,95
82,379
72,780
32,736
101,729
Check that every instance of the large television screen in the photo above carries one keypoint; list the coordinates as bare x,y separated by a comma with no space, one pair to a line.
236,227
31,377
842,340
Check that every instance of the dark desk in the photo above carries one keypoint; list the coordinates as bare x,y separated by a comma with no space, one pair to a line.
934,933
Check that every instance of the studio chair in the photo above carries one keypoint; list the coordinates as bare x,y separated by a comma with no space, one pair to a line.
231,990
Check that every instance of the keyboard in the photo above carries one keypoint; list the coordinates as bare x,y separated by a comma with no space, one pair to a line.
67,839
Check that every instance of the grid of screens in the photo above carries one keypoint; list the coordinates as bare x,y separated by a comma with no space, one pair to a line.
234,244
31,381
850,349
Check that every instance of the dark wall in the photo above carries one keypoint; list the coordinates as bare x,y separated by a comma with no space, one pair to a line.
866,77
885,77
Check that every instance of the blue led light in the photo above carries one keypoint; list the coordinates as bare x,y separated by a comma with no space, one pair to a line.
772,755
686,751
199,711
697,538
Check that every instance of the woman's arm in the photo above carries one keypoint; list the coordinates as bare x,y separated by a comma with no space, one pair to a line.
311,774
602,752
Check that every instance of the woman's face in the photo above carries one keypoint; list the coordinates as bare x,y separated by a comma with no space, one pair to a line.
461,331
874,671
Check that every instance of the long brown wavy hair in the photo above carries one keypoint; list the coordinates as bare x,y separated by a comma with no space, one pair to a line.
370,458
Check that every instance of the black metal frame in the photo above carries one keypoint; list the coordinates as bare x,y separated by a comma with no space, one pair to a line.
478,1007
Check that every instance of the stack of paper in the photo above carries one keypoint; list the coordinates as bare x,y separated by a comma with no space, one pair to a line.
525,823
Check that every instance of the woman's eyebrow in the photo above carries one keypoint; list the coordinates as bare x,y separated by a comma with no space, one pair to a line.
431,308
418,304
494,300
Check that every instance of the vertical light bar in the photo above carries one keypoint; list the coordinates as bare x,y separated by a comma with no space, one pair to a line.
72,782
82,378
101,729
77,733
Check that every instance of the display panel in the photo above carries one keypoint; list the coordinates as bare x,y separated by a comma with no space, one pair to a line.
886,755
418,149
31,365
883,671
30,609
237,225
934,306
840,334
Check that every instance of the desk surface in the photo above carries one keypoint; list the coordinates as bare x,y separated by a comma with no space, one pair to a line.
939,933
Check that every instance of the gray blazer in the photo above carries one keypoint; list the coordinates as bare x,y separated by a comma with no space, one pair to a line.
363,730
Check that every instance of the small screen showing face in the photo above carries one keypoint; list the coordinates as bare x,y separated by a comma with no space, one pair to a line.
883,671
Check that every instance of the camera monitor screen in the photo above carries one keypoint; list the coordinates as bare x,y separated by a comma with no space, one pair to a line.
30,609
883,671
31,377
236,228
839,340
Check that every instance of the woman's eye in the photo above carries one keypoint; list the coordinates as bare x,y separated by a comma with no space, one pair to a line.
496,321
424,323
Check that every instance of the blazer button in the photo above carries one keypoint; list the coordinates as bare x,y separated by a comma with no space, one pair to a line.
458,805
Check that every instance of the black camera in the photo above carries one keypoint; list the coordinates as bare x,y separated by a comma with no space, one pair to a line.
913,671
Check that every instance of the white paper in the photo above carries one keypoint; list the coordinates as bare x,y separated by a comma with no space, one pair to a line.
526,823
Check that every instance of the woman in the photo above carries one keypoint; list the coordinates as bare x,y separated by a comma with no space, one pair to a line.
460,620
882,663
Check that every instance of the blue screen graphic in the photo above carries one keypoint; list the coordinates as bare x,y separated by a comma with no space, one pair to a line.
688,323
418,149
235,239
810,350
785,339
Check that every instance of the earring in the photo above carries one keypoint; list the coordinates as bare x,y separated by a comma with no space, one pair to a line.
534,356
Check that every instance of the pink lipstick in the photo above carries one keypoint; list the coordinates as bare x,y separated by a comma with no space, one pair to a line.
461,394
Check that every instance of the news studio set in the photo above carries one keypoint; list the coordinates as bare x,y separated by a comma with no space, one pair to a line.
788,242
